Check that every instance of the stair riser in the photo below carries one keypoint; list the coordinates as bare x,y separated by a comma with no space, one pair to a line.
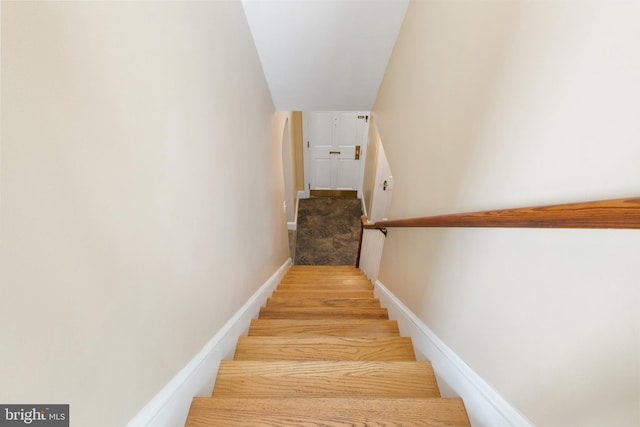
391,386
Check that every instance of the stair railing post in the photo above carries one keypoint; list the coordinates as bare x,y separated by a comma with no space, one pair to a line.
362,221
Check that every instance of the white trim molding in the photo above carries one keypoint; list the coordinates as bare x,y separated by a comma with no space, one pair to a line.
371,253
293,225
486,408
169,408
364,206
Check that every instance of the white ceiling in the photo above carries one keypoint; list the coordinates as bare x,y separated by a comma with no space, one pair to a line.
324,54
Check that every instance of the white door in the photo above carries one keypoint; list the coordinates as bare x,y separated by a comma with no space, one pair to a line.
335,149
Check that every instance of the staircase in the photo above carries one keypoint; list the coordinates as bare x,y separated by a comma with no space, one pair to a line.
324,353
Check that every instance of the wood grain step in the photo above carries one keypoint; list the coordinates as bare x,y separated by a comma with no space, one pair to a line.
328,279
343,272
323,302
325,273
324,327
326,412
325,348
323,313
335,293
354,286
325,379
324,268
323,353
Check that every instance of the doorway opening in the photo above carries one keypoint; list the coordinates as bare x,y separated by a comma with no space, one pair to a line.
335,144
328,223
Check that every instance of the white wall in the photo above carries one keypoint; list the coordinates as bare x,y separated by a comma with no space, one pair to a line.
492,104
142,195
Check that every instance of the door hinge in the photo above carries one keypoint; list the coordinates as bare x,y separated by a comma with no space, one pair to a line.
366,118
307,144
309,187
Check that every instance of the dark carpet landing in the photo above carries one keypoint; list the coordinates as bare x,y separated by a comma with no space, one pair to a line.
328,231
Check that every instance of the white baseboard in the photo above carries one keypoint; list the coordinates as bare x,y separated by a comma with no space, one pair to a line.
169,408
304,194
486,408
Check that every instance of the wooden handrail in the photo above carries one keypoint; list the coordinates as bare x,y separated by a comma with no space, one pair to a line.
616,213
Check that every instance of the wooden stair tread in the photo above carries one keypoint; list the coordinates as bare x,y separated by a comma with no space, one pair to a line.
327,412
323,302
321,293
331,268
325,348
296,268
325,379
326,272
324,353
323,313
326,280
324,327
353,286
338,272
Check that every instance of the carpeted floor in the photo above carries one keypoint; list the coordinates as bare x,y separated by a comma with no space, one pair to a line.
328,231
